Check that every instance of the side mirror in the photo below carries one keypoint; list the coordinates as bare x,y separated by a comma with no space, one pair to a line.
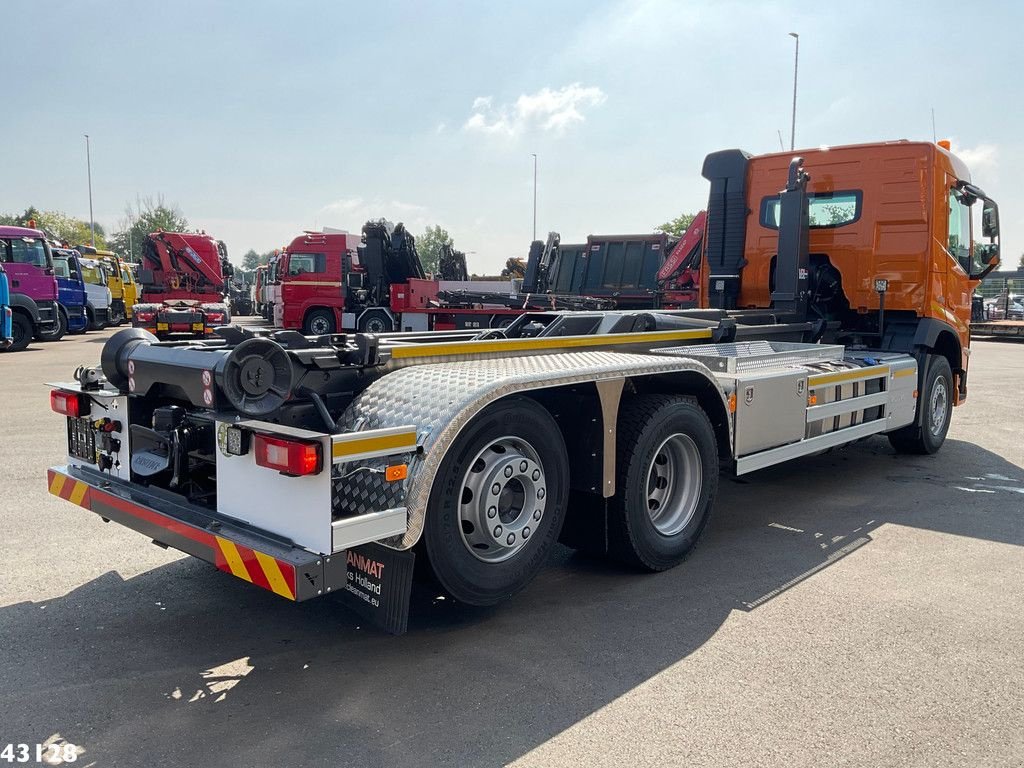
990,219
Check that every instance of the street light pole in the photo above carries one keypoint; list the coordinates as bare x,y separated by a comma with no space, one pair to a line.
92,221
534,195
796,65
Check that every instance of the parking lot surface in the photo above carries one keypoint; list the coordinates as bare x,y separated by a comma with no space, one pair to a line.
854,608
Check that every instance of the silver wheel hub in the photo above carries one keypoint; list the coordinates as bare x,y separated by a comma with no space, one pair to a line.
937,407
503,499
319,326
674,480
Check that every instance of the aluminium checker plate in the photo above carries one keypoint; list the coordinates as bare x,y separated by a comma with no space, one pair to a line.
442,398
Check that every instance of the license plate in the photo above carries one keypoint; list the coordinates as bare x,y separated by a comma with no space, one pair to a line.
198,326
163,326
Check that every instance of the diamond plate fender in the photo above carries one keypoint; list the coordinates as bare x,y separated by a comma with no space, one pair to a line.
442,398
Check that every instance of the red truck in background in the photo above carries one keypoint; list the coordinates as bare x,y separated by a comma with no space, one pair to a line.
324,282
183,279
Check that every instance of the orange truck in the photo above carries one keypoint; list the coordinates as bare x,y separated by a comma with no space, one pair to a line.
895,245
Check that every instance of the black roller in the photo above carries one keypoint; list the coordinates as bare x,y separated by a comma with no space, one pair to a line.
117,350
256,377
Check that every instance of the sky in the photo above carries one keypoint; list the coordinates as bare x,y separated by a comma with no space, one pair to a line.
259,120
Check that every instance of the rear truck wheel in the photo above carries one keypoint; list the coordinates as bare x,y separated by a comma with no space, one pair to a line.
934,409
376,321
667,462
319,322
57,331
117,315
21,332
498,503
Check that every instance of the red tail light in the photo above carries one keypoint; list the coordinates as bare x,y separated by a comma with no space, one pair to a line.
68,403
145,317
214,318
293,457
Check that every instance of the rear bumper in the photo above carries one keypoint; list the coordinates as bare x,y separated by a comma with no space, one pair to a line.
246,553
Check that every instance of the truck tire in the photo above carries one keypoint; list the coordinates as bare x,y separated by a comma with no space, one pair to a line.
59,329
21,332
498,503
935,406
667,461
376,321
117,314
319,322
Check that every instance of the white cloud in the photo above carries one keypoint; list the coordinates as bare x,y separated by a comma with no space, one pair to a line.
351,213
978,158
547,110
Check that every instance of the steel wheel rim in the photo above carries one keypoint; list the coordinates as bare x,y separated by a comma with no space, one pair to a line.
937,409
319,326
503,498
674,482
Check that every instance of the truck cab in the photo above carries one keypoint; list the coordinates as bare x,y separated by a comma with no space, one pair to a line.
893,247
120,310
314,272
130,286
272,291
259,282
71,294
27,259
97,293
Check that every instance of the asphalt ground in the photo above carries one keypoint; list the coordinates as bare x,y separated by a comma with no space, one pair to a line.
854,608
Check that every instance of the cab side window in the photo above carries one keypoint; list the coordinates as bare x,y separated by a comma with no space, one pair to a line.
959,230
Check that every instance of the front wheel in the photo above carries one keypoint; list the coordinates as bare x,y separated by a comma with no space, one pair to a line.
934,409
498,503
117,314
21,332
319,322
667,459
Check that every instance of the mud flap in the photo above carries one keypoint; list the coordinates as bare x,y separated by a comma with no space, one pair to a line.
375,582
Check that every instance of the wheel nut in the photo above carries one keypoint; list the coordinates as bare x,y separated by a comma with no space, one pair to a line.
536,514
492,511
540,493
522,466
536,474
508,471
497,531
511,539
495,489
526,532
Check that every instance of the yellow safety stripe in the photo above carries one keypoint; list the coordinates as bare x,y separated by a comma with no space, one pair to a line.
58,484
234,560
904,372
554,342
273,573
840,376
78,494
403,440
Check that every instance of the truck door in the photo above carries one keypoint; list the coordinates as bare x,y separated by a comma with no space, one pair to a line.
957,289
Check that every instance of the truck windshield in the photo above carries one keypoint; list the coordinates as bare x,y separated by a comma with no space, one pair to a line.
30,250
93,275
